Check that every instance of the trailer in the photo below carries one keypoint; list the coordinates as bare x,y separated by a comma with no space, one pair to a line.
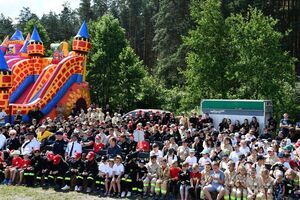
237,110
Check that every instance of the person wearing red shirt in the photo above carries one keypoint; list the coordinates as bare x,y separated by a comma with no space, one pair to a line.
174,171
26,170
195,181
10,171
98,145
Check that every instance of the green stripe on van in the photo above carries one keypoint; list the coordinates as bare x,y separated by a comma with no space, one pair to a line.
233,105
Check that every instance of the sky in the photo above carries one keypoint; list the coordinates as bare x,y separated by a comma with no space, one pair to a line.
11,8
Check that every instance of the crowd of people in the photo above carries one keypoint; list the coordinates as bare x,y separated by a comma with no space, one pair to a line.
153,155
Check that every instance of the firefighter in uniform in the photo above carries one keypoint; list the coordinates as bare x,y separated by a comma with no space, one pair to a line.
141,175
230,175
75,164
46,167
58,169
38,162
90,170
128,183
153,169
162,178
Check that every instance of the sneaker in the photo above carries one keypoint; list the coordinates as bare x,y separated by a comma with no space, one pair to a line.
9,182
79,188
123,194
76,188
128,194
88,190
66,187
5,181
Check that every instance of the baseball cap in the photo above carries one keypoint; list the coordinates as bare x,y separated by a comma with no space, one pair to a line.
59,133
205,151
270,149
280,155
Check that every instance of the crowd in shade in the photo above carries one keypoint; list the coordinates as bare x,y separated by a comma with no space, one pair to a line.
153,154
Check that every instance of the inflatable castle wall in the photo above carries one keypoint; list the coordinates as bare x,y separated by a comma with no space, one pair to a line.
29,80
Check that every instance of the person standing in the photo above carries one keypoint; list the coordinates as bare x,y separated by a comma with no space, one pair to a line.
285,124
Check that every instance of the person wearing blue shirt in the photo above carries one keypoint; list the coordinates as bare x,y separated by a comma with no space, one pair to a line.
217,182
113,149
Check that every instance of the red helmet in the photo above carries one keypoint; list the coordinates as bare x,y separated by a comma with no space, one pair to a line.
77,155
50,155
56,159
90,156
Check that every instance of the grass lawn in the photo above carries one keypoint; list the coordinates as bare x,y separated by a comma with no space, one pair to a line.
25,193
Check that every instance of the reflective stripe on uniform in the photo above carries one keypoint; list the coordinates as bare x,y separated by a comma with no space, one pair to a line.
90,178
134,188
52,177
67,178
164,191
60,177
38,177
79,177
129,180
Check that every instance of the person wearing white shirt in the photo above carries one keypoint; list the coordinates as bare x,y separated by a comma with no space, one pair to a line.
118,171
30,143
191,159
102,167
138,133
2,140
2,117
157,152
73,147
204,159
234,155
244,149
109,177
170,157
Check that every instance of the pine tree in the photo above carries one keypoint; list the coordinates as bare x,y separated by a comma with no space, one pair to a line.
171,22
85,10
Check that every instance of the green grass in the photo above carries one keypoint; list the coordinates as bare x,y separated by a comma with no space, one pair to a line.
24,193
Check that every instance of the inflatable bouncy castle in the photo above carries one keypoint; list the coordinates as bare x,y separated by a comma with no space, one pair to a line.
28,80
